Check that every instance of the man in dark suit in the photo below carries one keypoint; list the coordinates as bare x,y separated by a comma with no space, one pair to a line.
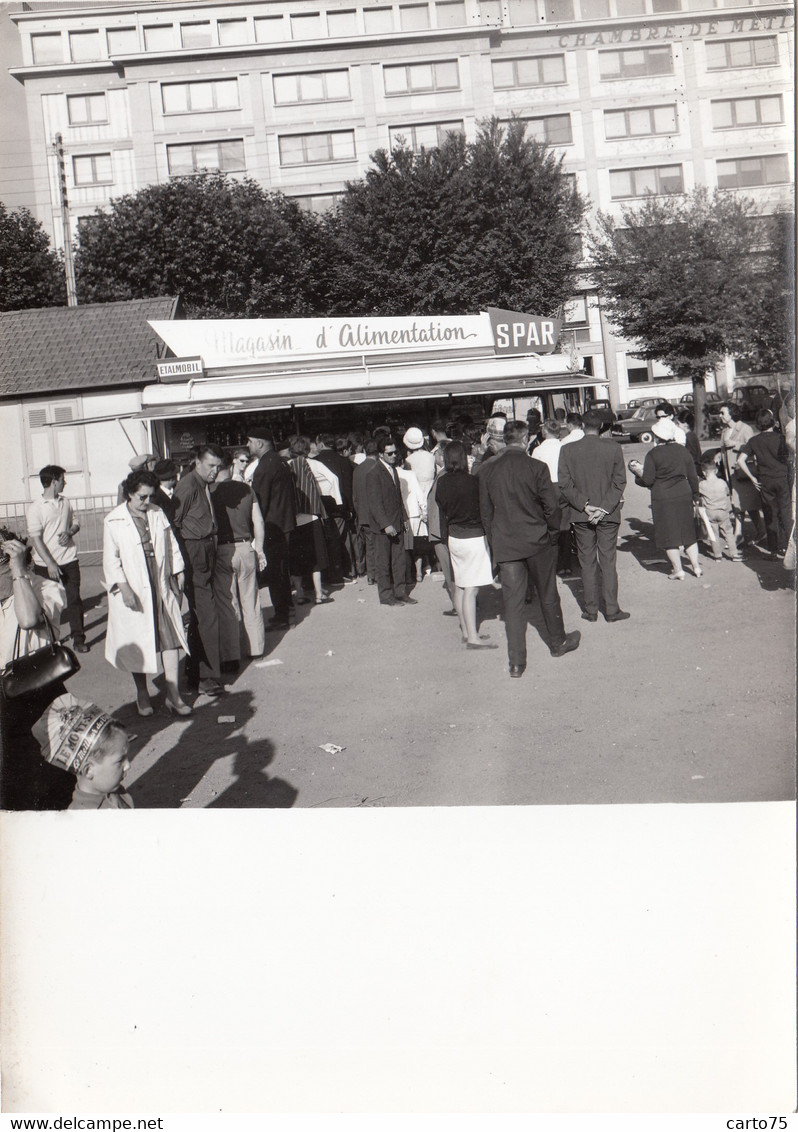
387,519
360,504
592,477
273,485
338,525
521,518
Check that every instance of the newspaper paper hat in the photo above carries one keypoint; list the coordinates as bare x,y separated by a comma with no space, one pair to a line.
69,731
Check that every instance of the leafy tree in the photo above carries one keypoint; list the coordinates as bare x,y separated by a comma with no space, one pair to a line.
228,247
682,277
31,274
773,297
458,227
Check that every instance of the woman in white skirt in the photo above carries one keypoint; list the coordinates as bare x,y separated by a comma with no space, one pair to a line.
457,495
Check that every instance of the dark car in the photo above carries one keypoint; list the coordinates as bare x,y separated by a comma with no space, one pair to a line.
603,407
749,399
640,403
712,404
636,427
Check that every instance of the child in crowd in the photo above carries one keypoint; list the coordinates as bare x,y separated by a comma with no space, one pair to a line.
91,745
716,501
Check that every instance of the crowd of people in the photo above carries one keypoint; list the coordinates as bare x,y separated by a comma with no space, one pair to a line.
510,504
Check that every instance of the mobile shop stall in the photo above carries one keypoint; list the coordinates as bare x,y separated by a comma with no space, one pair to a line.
339,374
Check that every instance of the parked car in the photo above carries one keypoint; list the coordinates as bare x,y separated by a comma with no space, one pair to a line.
636,427
641,403
749,399
713,402
602,405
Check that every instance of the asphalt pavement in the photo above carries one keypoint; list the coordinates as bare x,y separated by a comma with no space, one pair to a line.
691,700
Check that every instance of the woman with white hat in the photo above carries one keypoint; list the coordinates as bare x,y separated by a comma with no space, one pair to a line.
415,488
670,473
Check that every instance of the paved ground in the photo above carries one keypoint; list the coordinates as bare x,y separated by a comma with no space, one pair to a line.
692,700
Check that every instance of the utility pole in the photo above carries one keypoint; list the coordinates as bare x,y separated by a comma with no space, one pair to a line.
69,266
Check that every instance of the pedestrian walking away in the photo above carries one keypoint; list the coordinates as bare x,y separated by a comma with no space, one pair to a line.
592,478
521,518
273,485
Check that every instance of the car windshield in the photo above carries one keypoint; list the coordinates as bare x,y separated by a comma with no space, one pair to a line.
640,414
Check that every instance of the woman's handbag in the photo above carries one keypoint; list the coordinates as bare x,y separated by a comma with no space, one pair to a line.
38,669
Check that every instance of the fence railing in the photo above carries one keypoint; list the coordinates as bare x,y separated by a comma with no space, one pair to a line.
90,511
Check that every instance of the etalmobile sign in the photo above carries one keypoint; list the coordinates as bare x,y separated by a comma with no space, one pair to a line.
223,343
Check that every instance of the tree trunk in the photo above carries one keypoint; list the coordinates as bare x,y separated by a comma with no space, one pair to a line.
699,407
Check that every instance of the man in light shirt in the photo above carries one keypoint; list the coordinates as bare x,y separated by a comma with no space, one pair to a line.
51,528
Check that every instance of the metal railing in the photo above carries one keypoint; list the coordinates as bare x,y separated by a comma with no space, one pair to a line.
90,511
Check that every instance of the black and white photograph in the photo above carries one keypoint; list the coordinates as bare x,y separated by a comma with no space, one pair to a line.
312,313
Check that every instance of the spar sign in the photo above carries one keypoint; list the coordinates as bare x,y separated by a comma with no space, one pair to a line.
516,333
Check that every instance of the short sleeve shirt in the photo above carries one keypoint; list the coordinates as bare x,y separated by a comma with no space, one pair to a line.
48,518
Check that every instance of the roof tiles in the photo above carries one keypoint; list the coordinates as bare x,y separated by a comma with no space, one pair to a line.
58,349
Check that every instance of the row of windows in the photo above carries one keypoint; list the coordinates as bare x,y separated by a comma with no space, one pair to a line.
86,45
631,122
339,145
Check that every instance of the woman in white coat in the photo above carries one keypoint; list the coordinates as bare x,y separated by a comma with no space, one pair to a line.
143,570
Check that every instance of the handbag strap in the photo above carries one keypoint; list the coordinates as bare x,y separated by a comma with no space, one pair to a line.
18,639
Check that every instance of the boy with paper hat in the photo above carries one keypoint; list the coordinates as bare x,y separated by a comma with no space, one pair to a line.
92,745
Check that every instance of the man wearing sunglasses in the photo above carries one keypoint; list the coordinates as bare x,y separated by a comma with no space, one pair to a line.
388,520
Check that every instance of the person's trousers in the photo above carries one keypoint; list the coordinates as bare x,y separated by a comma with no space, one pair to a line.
278,578
541,567
238,600
390,565
597,548
364,559
335,535
203,660
722,529
777,505
70,576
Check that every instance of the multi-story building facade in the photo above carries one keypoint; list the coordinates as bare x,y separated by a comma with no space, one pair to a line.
638,95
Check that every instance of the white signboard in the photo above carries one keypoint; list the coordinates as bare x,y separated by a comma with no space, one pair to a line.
227,342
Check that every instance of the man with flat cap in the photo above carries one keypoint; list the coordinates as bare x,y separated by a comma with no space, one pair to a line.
135,463
273,485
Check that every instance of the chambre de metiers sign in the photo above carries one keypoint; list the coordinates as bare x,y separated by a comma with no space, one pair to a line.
224,343
661,31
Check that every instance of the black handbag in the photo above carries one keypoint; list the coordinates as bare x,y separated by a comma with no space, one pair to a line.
51,664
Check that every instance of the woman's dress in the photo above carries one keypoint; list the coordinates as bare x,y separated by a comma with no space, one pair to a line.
670,473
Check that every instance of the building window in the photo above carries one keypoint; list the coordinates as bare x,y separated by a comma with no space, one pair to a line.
559,11
84,46
451,14
738,113
637,372
86,109
666,6
122,41
340,24
232,32
636,62
159,37
318,86
657,179
538,70
574,312
413,17
429,135
318,202
92,169
595,9
640,122
490,12
196,34
378,20
181,98
317,149
554,129
269,29
216,156
729,54
306,25
418,78
47,48
522,12
748,172
631,7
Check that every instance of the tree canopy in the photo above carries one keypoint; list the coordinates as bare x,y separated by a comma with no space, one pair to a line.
31,274
228,247
456,228
687,278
